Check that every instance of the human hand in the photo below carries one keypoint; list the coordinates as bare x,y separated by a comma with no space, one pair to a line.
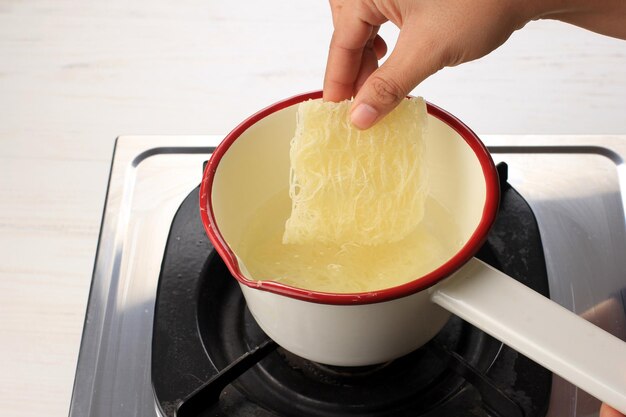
606,411
433,35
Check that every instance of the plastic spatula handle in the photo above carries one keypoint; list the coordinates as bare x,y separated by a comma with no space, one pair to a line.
538,328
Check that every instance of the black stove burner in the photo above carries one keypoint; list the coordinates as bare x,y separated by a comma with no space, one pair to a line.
202,325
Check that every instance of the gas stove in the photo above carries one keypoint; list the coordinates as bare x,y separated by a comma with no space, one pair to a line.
153,262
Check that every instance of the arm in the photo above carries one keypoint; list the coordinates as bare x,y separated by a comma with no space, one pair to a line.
607,17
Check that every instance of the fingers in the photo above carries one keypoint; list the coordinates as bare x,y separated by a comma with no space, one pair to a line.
412,60
369,64
380,47
356,26
344,57
374,50
606,411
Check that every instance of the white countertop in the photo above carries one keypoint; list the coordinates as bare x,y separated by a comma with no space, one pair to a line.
75,75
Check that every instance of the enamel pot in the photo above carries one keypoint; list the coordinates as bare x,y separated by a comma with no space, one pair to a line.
252,164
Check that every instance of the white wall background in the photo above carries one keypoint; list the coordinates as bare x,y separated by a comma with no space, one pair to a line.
76,74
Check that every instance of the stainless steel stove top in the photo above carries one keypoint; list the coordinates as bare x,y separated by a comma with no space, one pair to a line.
576,186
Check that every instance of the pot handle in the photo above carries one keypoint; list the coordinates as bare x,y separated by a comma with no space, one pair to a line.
538,328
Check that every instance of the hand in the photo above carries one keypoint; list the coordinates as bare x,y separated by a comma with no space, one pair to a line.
606,411
433,35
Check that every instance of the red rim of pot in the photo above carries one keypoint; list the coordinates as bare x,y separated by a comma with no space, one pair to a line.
457,261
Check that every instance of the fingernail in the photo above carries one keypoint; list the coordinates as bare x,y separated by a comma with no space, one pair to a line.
363,116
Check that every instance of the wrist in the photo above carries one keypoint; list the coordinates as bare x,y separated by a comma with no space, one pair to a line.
601,16
548,9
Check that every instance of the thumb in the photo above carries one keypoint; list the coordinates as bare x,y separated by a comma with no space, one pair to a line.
412,60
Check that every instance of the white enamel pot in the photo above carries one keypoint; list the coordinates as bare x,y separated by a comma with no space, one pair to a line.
252,164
